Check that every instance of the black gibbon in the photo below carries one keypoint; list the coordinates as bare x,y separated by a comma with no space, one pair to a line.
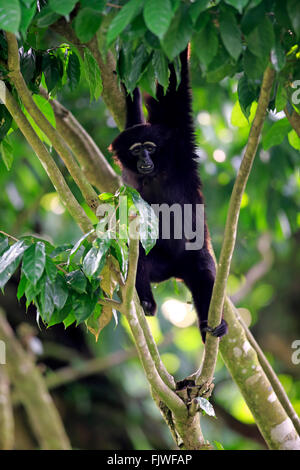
158,159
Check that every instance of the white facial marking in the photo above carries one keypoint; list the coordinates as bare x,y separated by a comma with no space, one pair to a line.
137,144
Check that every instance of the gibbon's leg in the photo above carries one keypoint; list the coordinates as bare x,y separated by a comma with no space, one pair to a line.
143,286
200,282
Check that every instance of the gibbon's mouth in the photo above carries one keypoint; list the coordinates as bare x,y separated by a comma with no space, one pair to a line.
145,169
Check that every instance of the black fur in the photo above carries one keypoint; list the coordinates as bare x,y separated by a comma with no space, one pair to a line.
174,179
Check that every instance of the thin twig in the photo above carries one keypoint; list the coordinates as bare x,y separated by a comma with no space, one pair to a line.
10,236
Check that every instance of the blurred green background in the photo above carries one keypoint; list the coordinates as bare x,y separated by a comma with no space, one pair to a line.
113,409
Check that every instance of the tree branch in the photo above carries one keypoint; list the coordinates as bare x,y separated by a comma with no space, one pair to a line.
6,412
174,403
57,141
257,271
219,290
277,387
112,95
93,163
243,364
27,379
48,163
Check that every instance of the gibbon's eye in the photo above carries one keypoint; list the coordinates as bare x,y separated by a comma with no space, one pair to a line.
135,149
150,147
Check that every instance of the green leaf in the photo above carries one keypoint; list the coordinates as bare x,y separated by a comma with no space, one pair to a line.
5,121
147,81
60,292
87,23
198,7
261,40
238,118
34,262
278,56
33,239
46,302
46,17
98,5
4,245
252,17
59,316
281,98
161,68
276,133
31,291
206,406
148,223
205,44
178,35
28,64
123,18
293,8
62,8
92,73
83,307
254,66
78,245
52,69
230,34
238,4
106,197
158,16
95,258
6,153
220,67
69,320
73,70
21,287
218,445
77,281
138,65
119,250
51,269
36,128
10,15
294,140
10,260
246,95
45,107
27,14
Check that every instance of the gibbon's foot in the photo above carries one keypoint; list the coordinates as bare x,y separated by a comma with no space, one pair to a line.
149,307
219,331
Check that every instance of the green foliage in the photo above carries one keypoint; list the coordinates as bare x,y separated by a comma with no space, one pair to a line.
62,8
10,15
87,23
229,37
92,74
65,283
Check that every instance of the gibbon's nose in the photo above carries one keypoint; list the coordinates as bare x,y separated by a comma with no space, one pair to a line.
144,164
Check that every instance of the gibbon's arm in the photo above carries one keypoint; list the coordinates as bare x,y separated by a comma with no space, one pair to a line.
174,108
134,111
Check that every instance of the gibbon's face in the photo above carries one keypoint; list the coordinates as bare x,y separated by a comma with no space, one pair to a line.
140,149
